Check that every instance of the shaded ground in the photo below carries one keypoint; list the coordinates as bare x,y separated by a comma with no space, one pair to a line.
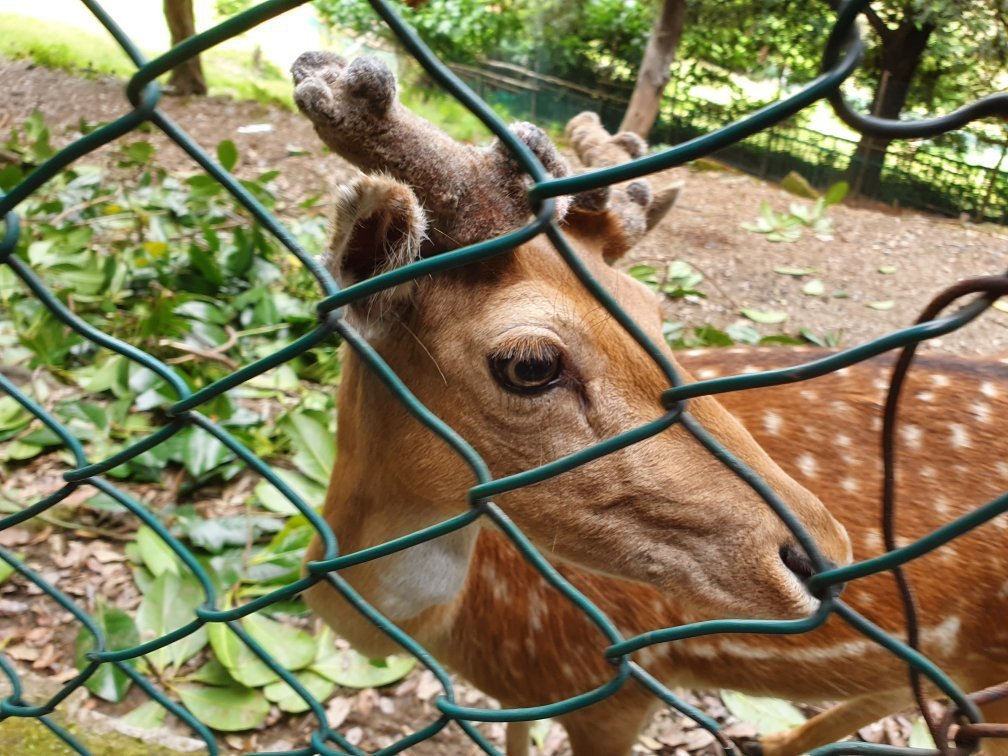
920,255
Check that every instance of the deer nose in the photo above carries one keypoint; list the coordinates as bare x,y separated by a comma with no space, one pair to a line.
795,559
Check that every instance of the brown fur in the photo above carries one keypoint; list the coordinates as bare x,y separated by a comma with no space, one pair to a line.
658,534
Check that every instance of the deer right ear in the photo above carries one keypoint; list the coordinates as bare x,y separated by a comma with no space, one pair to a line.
378,226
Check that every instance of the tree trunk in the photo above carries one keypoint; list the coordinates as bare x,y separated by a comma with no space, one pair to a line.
187,77
654,70
902,50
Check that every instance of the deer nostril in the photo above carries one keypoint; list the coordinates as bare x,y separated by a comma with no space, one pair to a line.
796,560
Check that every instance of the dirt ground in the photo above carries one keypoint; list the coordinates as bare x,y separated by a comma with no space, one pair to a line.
877,255
920,254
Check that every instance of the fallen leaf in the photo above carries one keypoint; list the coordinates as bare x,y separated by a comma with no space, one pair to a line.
764,316
786,270
887,270
886,304
337,711
814,288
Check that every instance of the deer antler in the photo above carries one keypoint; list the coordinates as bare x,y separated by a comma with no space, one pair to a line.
638,208
469,193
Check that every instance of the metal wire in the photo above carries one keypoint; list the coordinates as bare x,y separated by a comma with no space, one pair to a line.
143,95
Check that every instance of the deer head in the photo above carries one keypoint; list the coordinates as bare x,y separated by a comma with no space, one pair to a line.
519,358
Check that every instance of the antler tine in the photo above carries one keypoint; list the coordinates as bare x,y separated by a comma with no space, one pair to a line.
633,202
469,193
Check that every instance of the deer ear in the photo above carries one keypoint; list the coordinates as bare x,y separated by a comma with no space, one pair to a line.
663,200
378,226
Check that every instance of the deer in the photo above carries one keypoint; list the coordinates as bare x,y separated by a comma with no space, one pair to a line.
515,355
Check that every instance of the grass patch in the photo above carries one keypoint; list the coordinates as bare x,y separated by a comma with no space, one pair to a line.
61,46
67,48
231,72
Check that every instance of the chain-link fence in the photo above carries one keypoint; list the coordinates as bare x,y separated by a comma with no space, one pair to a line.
142,92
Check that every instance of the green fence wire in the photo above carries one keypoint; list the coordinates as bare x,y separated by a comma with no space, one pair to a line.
143,93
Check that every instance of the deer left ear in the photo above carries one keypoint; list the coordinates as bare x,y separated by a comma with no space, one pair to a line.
378,226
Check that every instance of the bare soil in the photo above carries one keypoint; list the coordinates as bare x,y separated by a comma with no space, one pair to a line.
878,254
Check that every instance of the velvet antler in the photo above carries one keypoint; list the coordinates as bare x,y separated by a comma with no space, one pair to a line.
638,208
468,193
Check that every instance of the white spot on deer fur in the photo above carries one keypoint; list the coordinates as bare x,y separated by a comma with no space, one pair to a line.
912,436
693,352
842,440
839,408
530,645
1002,467
646,657
808,465
1003,593
925,396
939,381
567,670
850,485
772,422
537,610
941,505
960,436
944,635
928,472
988,389
847,649
707,373
873,542
843,372
750,369
809,395
882,384
981,411
876,424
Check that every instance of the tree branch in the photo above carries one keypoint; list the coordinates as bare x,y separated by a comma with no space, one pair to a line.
877,23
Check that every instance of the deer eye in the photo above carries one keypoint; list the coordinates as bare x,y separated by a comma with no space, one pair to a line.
525,373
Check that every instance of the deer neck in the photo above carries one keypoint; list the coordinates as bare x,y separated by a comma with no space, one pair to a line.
374,497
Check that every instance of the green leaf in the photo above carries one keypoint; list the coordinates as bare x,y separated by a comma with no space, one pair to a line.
227,154
12,415
352,670
211,673
267,494
835,193
215,534
887,270
6,571
764,316
313,445
243,665
18,450
146,716
202,452
292,648
785,234
108,681
538,731
156,554
814,288
284,696
920,736
767,715
886,304
227,709
708,335
168,604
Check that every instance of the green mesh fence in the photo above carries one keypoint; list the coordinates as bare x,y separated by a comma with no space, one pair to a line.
840,59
